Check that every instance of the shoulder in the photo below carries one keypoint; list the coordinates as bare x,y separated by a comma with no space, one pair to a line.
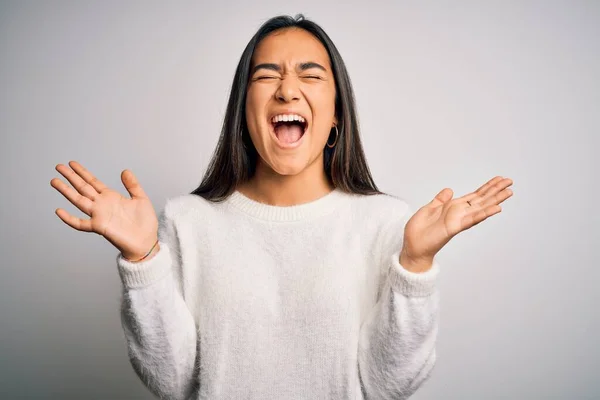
185,205
382,207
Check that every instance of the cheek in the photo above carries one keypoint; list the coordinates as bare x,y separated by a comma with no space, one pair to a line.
256,103
323,108
252,112
250,102
323,97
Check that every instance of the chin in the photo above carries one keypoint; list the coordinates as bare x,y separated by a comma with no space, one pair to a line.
288,168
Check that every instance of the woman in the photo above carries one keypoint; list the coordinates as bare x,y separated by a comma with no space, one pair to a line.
286,274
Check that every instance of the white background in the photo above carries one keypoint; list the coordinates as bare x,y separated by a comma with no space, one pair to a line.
449,94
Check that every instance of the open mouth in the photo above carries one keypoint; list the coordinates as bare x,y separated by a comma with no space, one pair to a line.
289,132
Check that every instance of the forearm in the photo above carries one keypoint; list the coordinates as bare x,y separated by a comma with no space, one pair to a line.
160,331
397,340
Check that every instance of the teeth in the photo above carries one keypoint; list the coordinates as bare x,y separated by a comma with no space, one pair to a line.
287,117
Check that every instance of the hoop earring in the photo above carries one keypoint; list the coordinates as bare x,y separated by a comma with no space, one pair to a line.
336,138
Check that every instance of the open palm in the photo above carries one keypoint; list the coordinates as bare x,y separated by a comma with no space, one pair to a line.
434,224
130,225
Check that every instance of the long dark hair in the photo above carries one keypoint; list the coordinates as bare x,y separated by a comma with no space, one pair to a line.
234,159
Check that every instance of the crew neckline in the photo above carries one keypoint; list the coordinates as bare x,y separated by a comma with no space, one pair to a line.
315,208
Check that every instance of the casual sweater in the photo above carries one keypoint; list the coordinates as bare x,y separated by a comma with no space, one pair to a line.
245,300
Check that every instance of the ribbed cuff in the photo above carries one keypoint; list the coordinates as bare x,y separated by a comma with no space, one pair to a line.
412,284
144,273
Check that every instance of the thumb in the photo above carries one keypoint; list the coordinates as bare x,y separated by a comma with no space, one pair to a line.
442,197
132,185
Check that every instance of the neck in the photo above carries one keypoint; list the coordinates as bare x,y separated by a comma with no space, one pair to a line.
269,187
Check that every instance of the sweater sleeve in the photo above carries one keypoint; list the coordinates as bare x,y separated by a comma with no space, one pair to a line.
397,339
159,328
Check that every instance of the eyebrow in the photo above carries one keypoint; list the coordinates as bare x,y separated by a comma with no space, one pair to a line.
301,66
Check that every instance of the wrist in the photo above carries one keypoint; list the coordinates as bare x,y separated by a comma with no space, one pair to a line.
415,265
144,257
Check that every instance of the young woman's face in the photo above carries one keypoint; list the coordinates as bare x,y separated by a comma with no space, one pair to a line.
291,79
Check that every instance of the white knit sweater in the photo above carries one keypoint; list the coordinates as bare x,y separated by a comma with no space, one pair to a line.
251,301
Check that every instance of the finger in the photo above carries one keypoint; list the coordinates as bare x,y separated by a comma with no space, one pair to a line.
81,202
441,198
88,176
84,225
132,185
491,192
497,198
475,218
488,184
473,196
78,183
489,189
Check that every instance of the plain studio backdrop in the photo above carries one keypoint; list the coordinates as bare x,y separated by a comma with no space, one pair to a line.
449,94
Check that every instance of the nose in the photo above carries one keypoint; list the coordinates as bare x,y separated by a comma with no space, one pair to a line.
288,90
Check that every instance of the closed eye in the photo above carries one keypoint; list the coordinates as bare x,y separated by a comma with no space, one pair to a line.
312,77
265,77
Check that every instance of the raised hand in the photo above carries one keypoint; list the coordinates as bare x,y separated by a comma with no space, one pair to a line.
434,224
130,225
